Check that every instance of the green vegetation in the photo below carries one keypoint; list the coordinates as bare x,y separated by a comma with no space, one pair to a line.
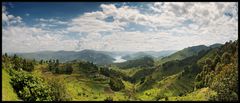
187,52
29,87
8,93
202,94
221,74
141,62
197,73
116,84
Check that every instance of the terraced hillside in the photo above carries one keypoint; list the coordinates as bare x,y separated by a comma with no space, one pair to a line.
194,78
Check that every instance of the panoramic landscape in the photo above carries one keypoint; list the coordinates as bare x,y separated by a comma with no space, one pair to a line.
120,51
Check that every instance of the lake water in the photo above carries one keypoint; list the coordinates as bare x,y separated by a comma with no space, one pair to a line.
119,59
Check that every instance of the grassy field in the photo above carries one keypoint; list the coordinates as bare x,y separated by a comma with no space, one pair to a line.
8,93
169,86
202,94
83,88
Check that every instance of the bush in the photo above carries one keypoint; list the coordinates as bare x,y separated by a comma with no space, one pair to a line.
226,84
59,92
30,88
116,84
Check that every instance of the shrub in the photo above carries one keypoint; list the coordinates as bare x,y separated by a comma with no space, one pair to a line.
116,84
30,88
59,92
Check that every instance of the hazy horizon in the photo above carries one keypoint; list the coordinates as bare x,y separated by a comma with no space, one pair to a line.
106,51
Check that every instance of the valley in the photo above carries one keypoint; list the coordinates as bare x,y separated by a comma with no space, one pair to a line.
120,51
191,74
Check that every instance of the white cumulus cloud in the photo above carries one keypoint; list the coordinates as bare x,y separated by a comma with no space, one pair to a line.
162,26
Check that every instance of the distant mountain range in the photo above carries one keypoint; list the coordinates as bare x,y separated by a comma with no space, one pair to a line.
97,57
107,57
64,56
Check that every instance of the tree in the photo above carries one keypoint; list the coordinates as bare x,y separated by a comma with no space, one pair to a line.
116,84
50,61
226,84
25,65
29,87
198,77
208,62
218,68
226,58
57,70
30,66
15,56
69,69
142,80
6,55
50,66
217,59
57,62
41,62
59,91
16,62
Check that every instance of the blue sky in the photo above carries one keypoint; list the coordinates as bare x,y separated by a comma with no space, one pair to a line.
49,10
116,26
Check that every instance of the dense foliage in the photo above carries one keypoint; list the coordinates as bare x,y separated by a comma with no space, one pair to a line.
221,73
116,84
19,63
58,90
29,87
88,67
59,68
207,73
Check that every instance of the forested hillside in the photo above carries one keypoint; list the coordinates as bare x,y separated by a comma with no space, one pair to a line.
186,52
197,73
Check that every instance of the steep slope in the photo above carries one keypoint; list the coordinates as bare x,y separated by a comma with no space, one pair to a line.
8,93
220,72
195,78
186,52
202,94
173,78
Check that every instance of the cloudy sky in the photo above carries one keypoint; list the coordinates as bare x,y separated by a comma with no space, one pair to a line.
156,26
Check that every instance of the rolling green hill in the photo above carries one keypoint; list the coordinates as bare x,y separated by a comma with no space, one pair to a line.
186,52
206,73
